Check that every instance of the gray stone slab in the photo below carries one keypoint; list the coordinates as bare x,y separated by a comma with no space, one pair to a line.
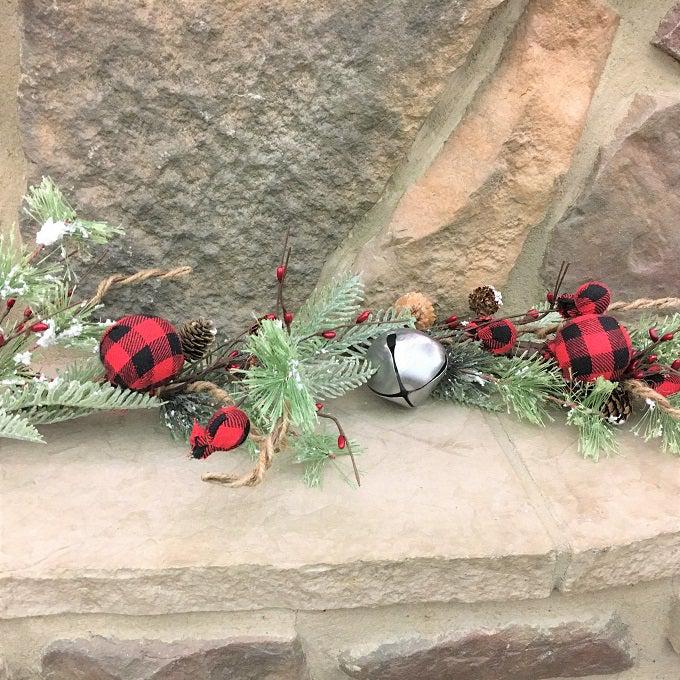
207,127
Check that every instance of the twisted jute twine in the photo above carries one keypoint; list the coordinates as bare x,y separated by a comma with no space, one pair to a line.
642,390
121,280
635,306
268,445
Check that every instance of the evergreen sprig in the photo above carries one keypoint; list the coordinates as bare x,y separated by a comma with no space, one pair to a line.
586,404
654,423
527,386
315,450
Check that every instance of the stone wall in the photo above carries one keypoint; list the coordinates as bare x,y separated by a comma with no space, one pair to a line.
426,143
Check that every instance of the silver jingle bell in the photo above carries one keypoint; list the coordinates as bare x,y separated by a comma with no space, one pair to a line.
409,365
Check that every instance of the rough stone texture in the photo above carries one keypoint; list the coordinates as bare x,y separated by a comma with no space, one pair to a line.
237,659
465,220
520,652
668,34
614,539
674,625
207,127
12,163
622,229
140,533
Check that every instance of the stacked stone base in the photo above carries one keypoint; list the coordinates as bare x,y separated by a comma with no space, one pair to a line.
625,633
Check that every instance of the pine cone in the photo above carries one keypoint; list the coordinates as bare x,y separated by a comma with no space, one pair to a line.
485,300
421,307
618,407
197,336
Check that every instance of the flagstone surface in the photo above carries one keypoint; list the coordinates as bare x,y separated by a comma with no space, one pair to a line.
455,506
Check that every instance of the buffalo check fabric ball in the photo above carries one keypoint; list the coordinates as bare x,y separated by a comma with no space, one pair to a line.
227,428
592,297
141,352
666,384
498,337
591,346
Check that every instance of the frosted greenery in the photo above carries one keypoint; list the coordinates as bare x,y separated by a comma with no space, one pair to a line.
40,277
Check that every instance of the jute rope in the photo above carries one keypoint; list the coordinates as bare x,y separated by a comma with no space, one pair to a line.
645,303
268,444
641,390
633,306
120,280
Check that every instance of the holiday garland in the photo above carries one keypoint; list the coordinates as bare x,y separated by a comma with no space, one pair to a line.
570,353
266,387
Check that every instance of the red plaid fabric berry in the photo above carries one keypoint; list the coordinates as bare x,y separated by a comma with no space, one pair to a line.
498,337
591,346
590,298
141,352
227,428
666,384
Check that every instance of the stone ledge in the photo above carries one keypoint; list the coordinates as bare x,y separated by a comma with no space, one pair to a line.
110,517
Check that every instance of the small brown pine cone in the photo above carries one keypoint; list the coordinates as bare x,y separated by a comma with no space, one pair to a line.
485,300
421,307
618,407
196,337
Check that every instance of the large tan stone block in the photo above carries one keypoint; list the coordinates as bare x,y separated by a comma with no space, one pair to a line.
209,126
463,223
623,228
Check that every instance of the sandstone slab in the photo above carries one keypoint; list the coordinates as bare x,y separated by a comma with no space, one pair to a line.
238,659
208,127
667,36
520,652
622,229
464,222
618,516
113,517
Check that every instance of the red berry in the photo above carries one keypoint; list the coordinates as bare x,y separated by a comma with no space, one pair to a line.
318,405
233,354
288,318
2,340
270,317
20,328
363,316
329,335
10,302
452,321
550,296
652,359
653,334
280,273
342,441
533,314
666,337
28,313
39,327
233,366
676,365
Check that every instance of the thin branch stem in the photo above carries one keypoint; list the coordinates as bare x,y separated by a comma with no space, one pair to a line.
341,432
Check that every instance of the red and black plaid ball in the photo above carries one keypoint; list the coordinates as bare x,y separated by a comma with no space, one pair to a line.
591,346
227,429
141,352
590,298
666,384
498,337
